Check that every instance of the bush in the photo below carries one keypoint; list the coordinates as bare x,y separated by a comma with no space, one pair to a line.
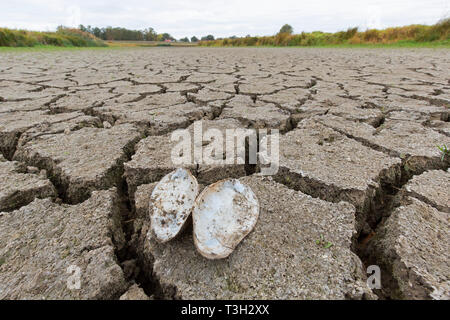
63,37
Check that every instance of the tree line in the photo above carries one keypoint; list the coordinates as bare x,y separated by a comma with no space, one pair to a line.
118,33
148,34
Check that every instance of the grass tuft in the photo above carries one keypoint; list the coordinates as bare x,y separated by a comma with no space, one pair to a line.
445,152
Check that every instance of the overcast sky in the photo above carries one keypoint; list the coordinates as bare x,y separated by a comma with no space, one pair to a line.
221,17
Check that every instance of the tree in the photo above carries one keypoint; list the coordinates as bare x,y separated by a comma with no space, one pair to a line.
150,34
286,29
194,39
185,39
97,32
209,37
166,36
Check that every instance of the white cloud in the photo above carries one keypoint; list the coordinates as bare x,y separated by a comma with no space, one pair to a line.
221,17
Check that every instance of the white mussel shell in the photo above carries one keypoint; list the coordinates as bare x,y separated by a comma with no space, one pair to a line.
224,213
171,203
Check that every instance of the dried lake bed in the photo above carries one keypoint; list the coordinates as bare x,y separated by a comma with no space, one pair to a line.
85,136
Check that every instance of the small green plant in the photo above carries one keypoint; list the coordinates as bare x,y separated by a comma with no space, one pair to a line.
444,151
325,244
328,245
407,168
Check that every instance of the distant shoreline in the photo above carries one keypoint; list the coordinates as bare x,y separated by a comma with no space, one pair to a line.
412,36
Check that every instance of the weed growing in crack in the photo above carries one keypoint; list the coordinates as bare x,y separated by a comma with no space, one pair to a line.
325,244
328,245
444,151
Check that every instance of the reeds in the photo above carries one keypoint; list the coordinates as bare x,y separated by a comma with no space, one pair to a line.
63,37
413,33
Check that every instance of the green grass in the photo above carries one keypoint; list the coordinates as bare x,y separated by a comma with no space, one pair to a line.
445,152
404,44
52,48
125,43
400,44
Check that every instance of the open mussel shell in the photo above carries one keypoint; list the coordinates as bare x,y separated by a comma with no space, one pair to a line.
224,213
171,204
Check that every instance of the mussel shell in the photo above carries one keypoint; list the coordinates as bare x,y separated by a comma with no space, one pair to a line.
224,213
171,204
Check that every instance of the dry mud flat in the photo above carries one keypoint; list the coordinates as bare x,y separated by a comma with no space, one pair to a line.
85,137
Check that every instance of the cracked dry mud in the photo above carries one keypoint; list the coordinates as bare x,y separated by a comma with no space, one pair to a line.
86,135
